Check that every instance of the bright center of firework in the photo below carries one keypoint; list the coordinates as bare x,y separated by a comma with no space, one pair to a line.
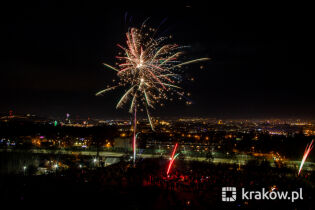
149,67
140,64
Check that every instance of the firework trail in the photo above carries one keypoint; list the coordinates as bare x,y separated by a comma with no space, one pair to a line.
134,137
307,151
149,69
172,159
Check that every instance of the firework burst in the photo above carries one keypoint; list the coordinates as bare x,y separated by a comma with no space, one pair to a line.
149,69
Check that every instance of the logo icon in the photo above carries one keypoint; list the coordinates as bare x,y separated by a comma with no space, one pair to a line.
228,194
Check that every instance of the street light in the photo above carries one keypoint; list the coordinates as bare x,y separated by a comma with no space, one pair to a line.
24,169
95,162
56,167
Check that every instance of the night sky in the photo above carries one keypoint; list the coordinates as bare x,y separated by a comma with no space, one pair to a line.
52,55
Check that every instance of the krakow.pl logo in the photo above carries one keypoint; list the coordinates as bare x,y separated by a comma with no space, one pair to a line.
228,194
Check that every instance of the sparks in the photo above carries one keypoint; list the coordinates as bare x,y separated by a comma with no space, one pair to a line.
172,159
307,151
149,68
